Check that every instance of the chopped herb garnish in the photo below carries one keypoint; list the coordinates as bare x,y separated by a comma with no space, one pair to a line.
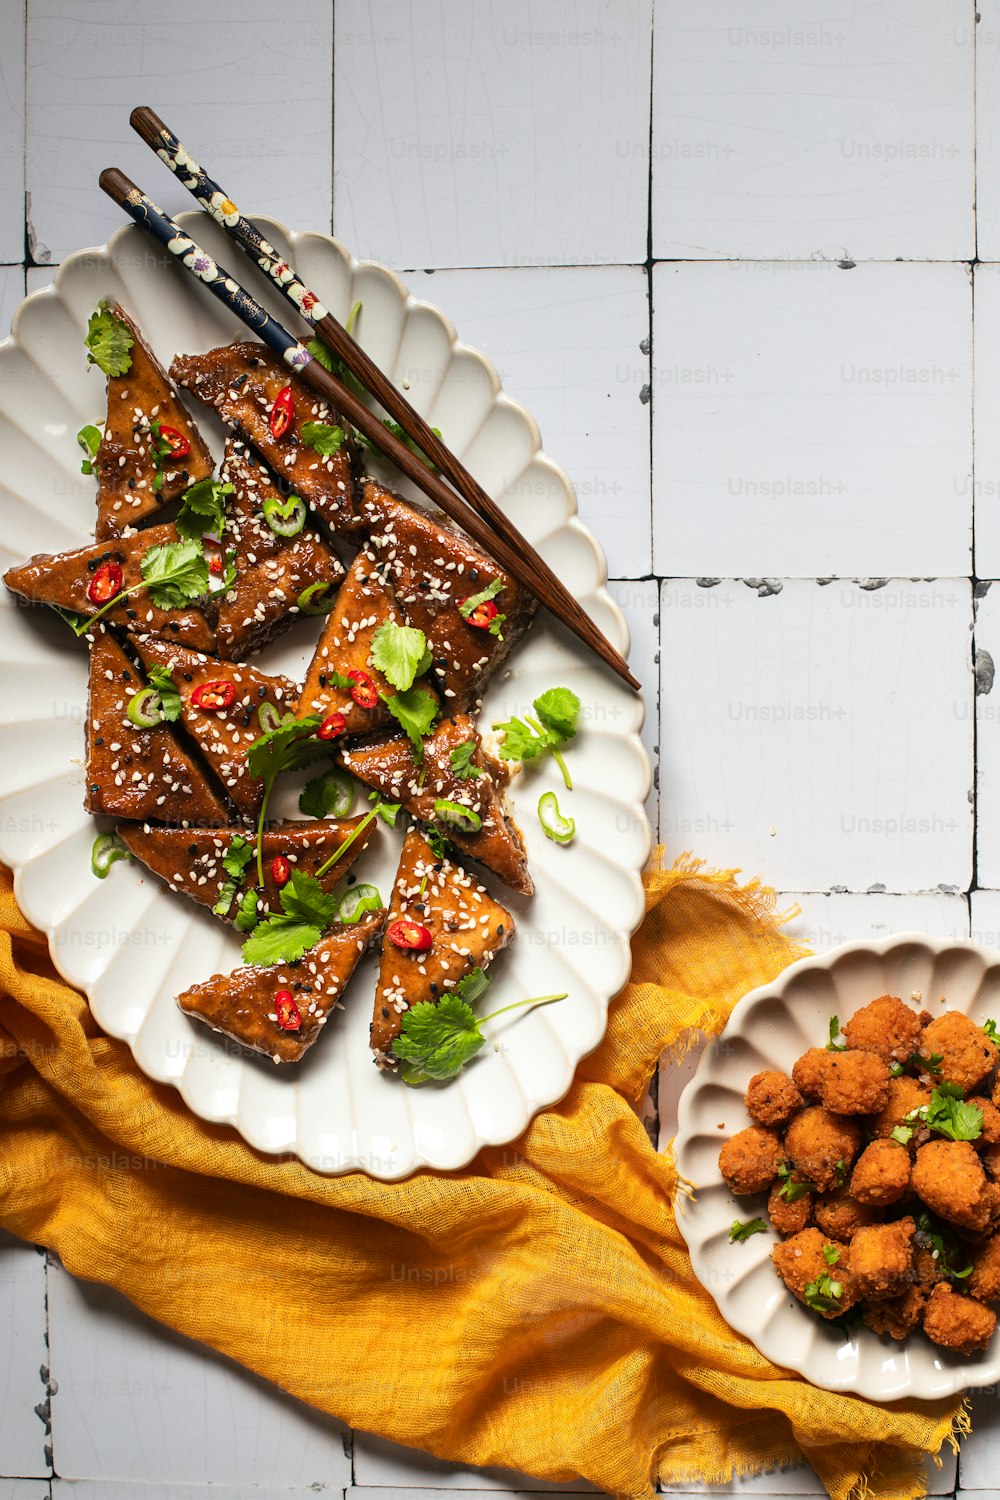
203,509
902,1134
529,738
334,363
742,1229
951,1115
833,1045
322,437
461,760
246,917
175,574
89,438
109,341
234,862
283,937
943,1246
403,437
400,653
990,1028
471,604
387,811
289,746
170,698
415,711
437,1041
831,1254
792,1189
823,1295
333,792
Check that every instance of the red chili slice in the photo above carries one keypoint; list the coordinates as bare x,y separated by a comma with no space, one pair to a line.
364,692
411,935
215,563
288,1013
282,412
175,441
483,615
214,696
280,870
106,583
331,726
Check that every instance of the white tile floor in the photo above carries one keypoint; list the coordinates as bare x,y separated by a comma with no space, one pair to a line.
736,295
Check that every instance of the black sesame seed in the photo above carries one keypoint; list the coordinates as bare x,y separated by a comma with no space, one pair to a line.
99,740
186,676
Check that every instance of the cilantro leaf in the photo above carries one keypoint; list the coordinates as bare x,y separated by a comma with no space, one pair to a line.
304,898
840,1171
833,1045
170,698
234,862
461,760
902,1134
943,1245
175,573
400,653
407,441
519,741
334,363
286,747
203,510
990,1028
415,711
741,1230
333,792
387,811
109,341
559,709
247,916
951,1115
831,1254
283,937
322,437
439,845
237,856
436,1041
89,438
792,1189
472,986
823,1295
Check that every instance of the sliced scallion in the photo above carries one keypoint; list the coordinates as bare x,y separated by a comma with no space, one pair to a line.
285,517
355,902
317,599
145,709
107,850
456,815
561,830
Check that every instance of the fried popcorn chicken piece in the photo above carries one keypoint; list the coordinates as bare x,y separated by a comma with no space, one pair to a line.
967,1054
957,1322
749,1162
905,1095
896,1316
772,1098
841,1216
822,1146
949,1177
800,1261
984,1283
788,1218
886,1027
990,1158
809,1070
854,1083
991,1120
881,1174
882,1259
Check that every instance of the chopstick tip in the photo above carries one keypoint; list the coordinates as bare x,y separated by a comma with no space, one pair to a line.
146,122
114,182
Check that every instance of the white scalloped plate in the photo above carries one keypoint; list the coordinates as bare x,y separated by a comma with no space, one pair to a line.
130,944
770,1028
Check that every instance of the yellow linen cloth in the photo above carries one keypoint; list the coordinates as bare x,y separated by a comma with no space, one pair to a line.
535,1311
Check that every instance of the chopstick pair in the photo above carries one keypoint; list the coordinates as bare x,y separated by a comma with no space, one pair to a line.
470,507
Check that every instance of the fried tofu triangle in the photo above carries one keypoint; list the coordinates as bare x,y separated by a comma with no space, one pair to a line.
388,766
432,568
66,580
151,451
432,898
273,571
136,772
190,860
246,384
281,1009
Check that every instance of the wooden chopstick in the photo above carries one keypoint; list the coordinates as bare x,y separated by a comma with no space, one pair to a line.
549,587
223,285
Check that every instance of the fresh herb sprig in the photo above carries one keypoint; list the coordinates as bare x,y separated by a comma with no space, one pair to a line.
234,862
89,438
741,1229
292,743
833,1045
461,761
400,653
109,342
175,574
552,727
947,1113
203,509
793,1188
437,1040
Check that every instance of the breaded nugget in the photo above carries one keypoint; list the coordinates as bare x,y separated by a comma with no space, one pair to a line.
882,1259
772,1098
967,1054
854,1083
881,1174
991,1120
788,1218
750,1160
957,1322
896,1316
886,1027
808,1071
905,1095
800,1262
841,1216
822,1145
990,1158
950,1179
984,1282
927,1271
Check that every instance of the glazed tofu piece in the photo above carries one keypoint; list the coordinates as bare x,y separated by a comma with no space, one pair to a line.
83,580
363,604
278,576
437,794
151,451
191,860
441,926
220,707
263,401
136,772
432,569
280,1010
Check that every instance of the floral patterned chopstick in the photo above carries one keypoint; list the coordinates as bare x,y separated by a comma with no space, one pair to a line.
228,290
208,193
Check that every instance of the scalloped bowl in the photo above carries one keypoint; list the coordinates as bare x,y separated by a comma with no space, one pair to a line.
770,1028
130,944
